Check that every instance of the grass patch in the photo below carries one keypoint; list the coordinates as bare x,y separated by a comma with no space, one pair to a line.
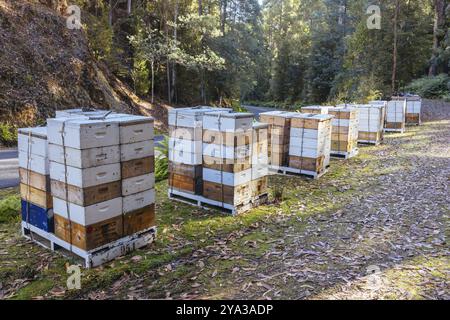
34,289
207,253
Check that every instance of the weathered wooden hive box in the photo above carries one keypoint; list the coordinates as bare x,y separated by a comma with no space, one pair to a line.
395,116
279,134
310,143
36,203
186,149
371,123
345,127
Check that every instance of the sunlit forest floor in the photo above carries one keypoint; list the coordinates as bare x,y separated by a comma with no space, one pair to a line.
374,227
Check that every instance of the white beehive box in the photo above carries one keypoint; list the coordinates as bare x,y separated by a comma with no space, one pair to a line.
227,122
371,123
83,133
395,111
189,134
89,215
183,145
138,184
84,178
133,129
138,150
260,150
85,158
227,178
190,117
34,163
310,142
345,129
33,149
259,171
396,116
414,107
226,152
138,200
370,118
33,140
185,157
315,109
79,113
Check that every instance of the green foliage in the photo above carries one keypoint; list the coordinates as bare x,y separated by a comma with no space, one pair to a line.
161,168
140,75
431,87
275,104
8,134
163,147
162,160
287,53
9,208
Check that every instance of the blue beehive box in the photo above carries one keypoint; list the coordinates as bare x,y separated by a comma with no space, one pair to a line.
39,217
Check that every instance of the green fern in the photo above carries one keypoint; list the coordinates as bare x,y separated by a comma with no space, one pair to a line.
162,160
161,168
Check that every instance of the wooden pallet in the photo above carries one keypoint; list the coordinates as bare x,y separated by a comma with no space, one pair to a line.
345,155
370,142
92,258
394,130
296,172
208,204
260,200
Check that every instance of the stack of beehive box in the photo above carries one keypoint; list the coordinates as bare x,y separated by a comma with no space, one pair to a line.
137,162
395,116
345,126
279,133
227,168
310,143
413,109
371,123
260,160
102,178
315,109
186,149
35,192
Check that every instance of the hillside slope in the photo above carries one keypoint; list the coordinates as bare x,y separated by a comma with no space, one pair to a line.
46,66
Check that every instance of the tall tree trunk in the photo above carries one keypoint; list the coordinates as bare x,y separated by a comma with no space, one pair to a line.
200,7
203,87
129,7
394,53
223,16
175,38
202,71
153,80
439,22
110,14
169,96
166,32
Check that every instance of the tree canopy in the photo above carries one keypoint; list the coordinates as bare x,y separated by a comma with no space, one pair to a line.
292,51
